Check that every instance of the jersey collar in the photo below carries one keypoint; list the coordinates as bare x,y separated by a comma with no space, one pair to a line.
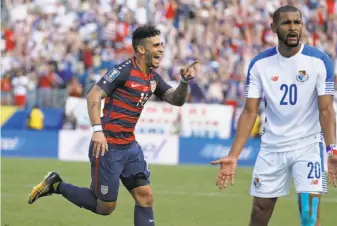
135,65
290,58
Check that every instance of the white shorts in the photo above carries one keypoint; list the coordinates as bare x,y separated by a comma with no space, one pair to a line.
273,172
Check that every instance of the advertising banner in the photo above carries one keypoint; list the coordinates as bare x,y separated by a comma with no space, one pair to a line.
203,151
158,118
29,144
158,149
206,120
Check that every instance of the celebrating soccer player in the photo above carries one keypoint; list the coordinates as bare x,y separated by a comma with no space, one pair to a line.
114,154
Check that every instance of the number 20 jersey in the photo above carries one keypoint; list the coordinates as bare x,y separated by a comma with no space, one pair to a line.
127,89
290,88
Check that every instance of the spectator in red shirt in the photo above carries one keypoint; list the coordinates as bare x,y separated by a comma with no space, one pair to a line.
9,39
6,89
75,89
46,84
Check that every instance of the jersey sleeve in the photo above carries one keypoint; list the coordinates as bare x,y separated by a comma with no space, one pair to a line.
325,81
162,86
253,82
111,80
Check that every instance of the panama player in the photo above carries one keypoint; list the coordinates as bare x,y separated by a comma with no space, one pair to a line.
297,82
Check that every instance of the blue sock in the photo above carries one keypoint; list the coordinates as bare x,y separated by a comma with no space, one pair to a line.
81,197
143,216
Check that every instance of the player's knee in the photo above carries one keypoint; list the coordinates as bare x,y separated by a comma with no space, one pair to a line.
143,196
258,211
146,200
105,208
261,211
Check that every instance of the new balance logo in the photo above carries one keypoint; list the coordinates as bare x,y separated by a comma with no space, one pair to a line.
274,78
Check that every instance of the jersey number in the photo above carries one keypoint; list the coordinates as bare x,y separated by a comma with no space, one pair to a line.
314,167
289,94
143,98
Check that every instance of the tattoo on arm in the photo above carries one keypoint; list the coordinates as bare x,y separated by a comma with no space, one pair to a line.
94,104
176,96
100,92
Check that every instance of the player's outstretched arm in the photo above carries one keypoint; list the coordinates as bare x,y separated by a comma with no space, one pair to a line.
178,96
245,125
98,139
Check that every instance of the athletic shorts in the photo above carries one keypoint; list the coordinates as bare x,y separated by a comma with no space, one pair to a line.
274,171
116,164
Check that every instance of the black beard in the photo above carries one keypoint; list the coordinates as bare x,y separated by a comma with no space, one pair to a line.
149,59
285,40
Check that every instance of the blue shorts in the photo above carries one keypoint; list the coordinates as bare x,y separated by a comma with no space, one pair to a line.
116,164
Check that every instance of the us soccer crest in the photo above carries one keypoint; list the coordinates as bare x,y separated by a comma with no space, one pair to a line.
111,75
302,76
104,189
153,86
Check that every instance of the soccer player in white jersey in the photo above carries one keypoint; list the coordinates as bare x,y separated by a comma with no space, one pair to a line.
297,83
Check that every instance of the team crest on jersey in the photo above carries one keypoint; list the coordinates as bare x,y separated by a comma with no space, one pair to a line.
302,76
111,75
104,189
153,86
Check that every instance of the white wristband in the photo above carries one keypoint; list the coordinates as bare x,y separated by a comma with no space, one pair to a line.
97,128
184,80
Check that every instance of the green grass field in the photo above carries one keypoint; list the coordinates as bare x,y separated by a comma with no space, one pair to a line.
184,196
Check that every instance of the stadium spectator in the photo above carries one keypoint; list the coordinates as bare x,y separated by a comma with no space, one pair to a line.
85,38
35,119
6,89
20,87
75,89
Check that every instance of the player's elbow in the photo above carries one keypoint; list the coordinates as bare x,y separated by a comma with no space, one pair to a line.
327,111
176,101
179,103
250,112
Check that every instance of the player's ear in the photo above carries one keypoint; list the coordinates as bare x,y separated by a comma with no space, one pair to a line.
273,27
141,49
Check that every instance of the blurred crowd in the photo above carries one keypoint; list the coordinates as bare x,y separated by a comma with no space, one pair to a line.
52,49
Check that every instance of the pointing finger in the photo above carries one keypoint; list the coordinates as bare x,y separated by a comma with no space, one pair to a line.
185,69
192,64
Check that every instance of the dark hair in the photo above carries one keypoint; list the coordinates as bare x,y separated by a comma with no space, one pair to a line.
143,32
283,9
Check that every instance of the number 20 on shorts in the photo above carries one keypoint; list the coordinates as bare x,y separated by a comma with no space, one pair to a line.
314,170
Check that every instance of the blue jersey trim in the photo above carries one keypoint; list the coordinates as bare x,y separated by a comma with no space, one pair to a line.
314,52
267,53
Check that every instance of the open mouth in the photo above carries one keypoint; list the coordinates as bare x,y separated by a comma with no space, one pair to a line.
157,57
292,36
